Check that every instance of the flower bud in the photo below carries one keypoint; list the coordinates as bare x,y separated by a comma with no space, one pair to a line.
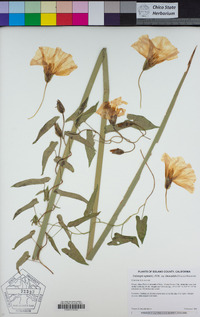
60,106
58,130
117,151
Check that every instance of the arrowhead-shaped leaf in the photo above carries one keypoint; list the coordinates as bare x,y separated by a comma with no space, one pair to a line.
74,254
32,181
90,151
46,128
47,153
119,239
28,236
22,260
27,206
64,163
70,195
84,116
78,111
78,221
90,204
51,240
141,226
141,122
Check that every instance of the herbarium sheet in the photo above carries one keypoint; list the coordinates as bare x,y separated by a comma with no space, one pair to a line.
99,140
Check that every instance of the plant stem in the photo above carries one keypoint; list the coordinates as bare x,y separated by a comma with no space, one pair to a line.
138,174
67,150
100,154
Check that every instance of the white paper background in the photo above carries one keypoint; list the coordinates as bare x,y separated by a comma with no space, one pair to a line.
172,237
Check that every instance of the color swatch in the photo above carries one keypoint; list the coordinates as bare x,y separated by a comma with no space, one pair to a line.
51,13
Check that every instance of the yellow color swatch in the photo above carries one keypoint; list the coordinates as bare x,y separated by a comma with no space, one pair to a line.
48,18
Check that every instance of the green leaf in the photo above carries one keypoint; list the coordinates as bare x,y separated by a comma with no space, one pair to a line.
86,115
64,163
73,253
90,204
141,226
47,153
78,221
27,206
77,137
32,181
121,239
78,111
62,224
70,195
90,151
141,122
51,240
46,128
28,236
22,260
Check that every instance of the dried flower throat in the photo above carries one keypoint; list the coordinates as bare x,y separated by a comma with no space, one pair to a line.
54,62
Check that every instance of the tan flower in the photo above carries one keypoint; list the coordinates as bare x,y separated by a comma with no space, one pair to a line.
156,51
109,110
177,171
54,62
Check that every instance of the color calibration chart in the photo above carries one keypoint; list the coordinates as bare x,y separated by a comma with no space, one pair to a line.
46,13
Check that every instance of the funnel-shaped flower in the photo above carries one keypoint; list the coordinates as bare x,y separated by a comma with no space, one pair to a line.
177,171
109,110
54,62
156,51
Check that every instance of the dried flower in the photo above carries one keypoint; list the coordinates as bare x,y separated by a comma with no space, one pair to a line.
156,51
177,171
54,62
109,110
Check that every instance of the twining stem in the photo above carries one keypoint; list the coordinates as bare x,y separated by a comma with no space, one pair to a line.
140,88
138,174
100,154
45,88
51,202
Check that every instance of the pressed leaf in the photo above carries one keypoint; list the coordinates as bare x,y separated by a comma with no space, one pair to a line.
27,206
91,202
78,221
51,240
73,253
64,163
120,126
22,260
47,153
28,236
141,226
85,115
70,195
78,111
121,239
77,137
141,122
46,128
90,151
32,181
62,224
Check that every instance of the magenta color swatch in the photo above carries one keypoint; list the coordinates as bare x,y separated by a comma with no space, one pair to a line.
80,19
80,6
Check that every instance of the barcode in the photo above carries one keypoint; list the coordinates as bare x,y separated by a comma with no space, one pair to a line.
71,306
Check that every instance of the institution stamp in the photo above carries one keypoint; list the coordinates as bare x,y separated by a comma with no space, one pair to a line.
23,293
